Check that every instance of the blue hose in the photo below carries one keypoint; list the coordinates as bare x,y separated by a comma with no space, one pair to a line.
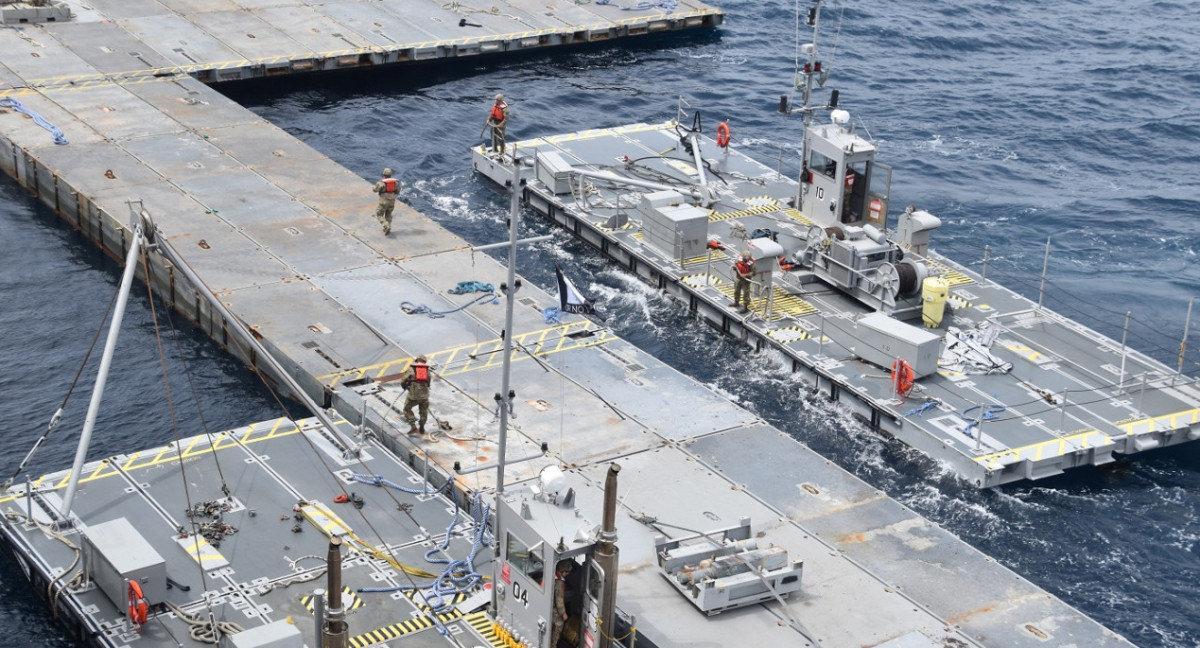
989,414
413,309
552,315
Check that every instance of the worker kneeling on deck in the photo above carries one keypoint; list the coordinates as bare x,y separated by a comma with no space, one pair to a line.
416,380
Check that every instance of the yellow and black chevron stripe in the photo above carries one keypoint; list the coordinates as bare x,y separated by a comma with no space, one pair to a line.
958,302
717,255
785,303
350,600
770,205
600,226
445,617
953,277
486,628
787,334
795,213
390,632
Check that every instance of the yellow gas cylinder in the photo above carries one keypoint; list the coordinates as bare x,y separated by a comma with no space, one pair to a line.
933,293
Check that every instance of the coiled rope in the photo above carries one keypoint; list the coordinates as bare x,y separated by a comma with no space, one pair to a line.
55,131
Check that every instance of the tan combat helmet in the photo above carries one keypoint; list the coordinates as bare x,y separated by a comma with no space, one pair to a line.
387,173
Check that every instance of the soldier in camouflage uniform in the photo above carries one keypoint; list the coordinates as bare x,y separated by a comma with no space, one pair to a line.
416,380
387,188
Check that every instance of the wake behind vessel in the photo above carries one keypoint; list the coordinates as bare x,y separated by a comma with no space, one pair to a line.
996,385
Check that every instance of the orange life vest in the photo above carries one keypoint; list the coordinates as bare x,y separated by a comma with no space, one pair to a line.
498,111
389,185
744,267
421,372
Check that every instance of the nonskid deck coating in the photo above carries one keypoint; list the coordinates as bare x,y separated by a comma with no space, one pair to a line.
285,237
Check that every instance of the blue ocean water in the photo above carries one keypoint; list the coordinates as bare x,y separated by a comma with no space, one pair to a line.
1013,122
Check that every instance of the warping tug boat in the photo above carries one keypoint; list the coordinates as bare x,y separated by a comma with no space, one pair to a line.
850,289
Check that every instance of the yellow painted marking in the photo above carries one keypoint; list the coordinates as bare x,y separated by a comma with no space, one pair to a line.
1173,421
486,627
1057,448
958,302
953,277
390,632
418,600
717,255
787,334
795,213
168,456
701,280
1025,352
770,206
487,353
600,226
785,303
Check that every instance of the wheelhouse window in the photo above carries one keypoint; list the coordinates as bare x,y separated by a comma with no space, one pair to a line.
527,560
826,166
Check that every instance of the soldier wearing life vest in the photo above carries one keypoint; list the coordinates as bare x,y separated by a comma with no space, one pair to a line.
416,380
744,270
498,120
387,188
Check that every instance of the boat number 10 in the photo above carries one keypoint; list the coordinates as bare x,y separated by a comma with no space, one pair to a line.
820,193
520,593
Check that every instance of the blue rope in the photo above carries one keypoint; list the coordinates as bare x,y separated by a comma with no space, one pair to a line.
552,315
380,480
919,411
458,576
465,287
55,131
989,414
668,5
414,309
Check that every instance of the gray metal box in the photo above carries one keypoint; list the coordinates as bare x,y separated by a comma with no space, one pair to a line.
880,339
115,551
681,231
651,202
554,171
279,634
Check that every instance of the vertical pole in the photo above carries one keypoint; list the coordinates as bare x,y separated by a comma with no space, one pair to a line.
1142,394
1187,324
28,499
1045,266
501,398
979,430
708,267
110,344
986,252
319,615
1062,419
1124,336
821,338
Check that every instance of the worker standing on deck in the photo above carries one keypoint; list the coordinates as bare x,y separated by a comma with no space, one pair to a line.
416,380
387,188
560,600
498,120
744,269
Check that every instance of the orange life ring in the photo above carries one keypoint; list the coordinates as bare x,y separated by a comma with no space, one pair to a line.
902,377
723,134
139,609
